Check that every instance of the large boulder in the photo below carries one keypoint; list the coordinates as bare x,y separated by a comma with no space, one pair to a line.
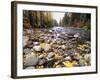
31,60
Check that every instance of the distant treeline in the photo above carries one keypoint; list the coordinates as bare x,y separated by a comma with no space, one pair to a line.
41,19
80,20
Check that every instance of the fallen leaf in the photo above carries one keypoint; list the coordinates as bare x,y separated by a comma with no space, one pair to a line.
68,64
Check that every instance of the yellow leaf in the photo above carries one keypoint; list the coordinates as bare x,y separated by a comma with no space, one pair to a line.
68,64
42,45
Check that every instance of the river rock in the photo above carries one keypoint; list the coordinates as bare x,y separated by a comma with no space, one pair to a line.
25,40
47,47
41,56
30,42
37,48
27,51
41,61
36,43
70,51
63,47
51,54
82,62
58,57
31,60
48,41
67,58
50,31
87,57
76,56
76,35
49,64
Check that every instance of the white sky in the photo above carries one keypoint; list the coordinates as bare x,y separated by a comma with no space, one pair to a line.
58,15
